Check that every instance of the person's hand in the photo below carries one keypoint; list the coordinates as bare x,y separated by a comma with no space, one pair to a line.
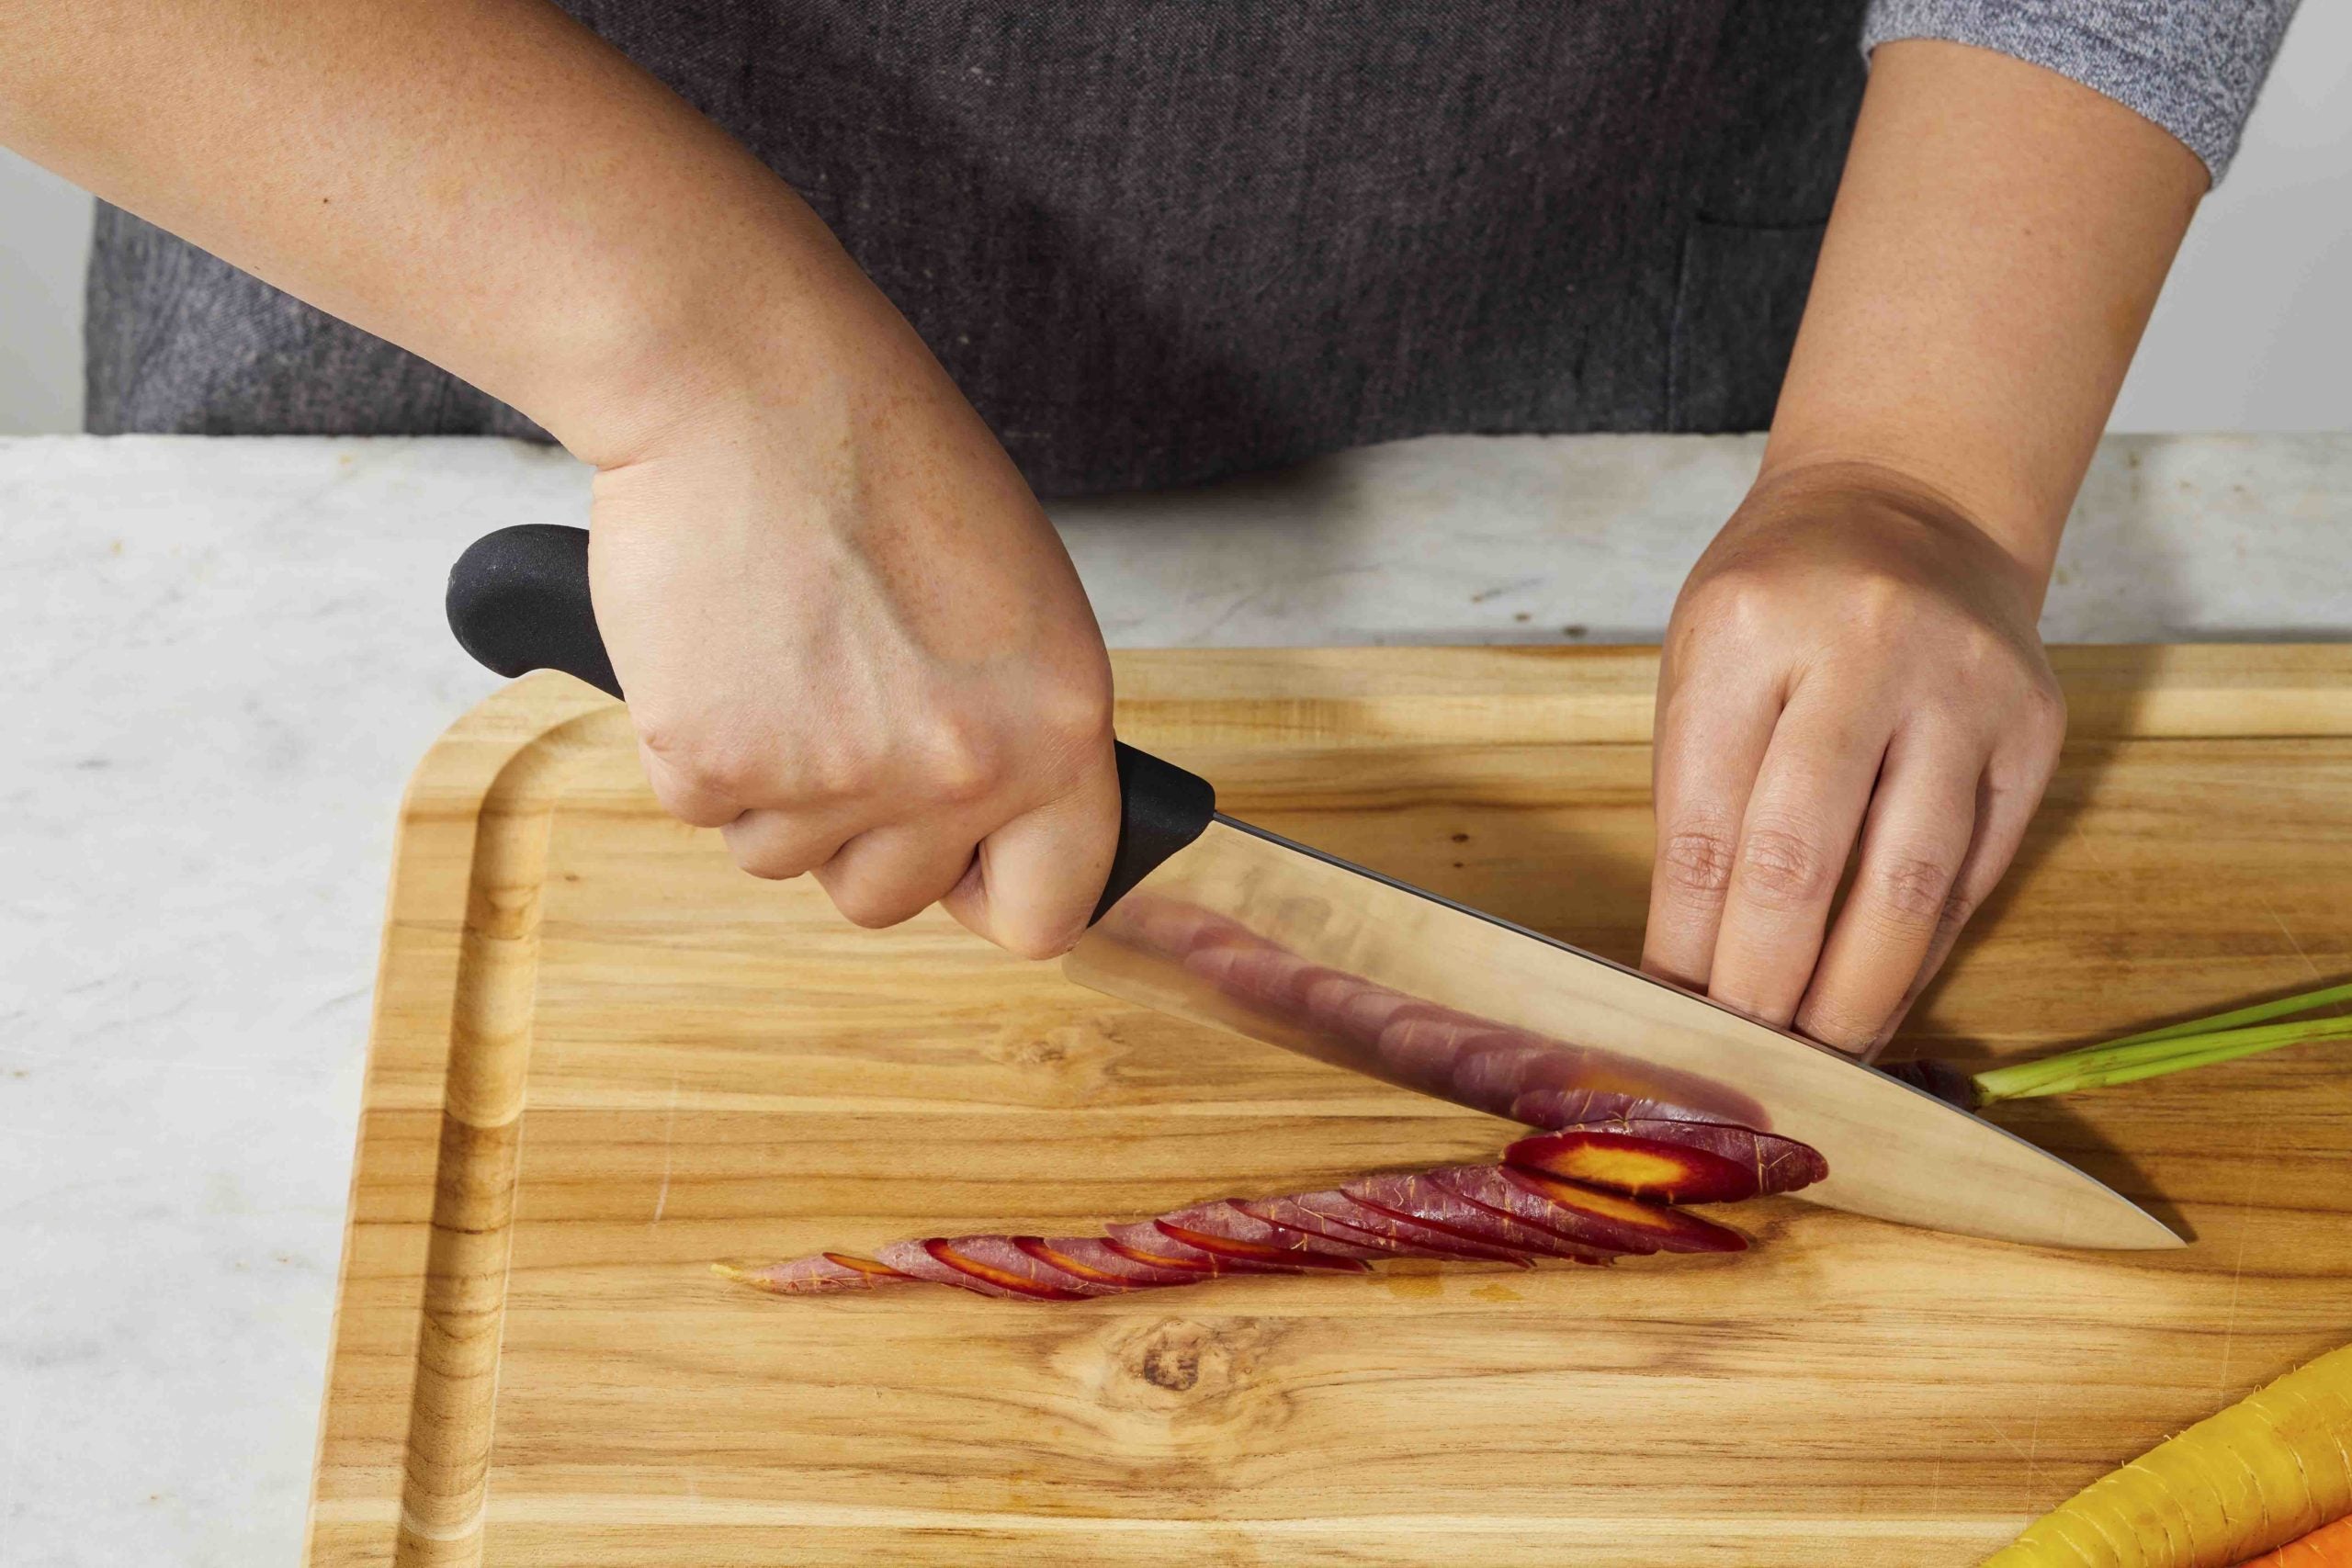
1851,659
852,641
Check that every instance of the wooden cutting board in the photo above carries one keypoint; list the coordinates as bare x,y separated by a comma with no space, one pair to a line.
602,1059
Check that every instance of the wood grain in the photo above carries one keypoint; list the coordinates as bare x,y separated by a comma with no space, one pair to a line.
602,1057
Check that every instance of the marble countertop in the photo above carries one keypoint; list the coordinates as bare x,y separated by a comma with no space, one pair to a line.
229,653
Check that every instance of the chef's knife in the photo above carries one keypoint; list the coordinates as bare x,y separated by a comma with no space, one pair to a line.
1212,919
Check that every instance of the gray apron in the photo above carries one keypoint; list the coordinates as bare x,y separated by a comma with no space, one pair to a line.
1156,242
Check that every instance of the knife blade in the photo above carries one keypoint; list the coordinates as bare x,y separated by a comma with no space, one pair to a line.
1248,932
1213,920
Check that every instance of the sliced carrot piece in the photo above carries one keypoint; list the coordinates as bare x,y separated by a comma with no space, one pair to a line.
915,1257
999,1260
822,1273
1290,1214
1229,1218
1406,1235
1148,1236
1094,1260
1424,1202
1624,1224
1260,1251
1679,1162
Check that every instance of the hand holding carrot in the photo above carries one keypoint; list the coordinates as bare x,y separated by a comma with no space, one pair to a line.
1852,664
1855,660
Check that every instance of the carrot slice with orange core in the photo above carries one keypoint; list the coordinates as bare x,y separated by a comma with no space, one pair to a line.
1003,1279
1036,1248
1162,1259
1671,1230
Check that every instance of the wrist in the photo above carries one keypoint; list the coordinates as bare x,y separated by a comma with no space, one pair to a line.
1876,495
684,341
2025,545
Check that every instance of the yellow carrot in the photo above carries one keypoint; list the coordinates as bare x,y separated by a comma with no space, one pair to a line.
2270,1469
2328,1547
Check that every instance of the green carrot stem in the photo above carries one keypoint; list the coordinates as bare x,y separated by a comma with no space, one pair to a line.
2147,1056
2282,1007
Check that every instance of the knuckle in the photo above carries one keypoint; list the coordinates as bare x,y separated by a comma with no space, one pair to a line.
1783,870
1958,905
1834,1023
685,801
1733,601
1697,861
1977,653
698,764
721,773
1077,714
1914,888
821,774
965,767
1068,732
2045,713
1879,608
668,736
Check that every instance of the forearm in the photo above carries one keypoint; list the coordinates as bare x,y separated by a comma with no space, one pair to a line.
481,181
1999,238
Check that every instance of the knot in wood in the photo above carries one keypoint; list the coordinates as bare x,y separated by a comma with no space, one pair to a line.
1033,1053
1183,1361
1173,1365
1069,1065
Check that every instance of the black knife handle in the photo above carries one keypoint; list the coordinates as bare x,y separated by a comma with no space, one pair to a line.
518,601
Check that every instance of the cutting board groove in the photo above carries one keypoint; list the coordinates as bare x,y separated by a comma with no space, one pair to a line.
718,1068
450,1410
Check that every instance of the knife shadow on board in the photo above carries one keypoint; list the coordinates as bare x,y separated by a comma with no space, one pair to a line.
2053,1124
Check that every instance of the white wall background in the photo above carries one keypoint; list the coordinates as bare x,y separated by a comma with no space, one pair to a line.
2254,331
44,237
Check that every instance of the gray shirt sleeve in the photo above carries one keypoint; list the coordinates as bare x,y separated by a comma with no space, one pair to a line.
2192,66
